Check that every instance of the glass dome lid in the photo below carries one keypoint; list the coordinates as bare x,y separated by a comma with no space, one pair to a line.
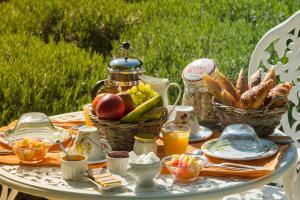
35,125
240,137
239,142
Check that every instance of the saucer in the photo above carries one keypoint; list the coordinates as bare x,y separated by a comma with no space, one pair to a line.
232,151
202,134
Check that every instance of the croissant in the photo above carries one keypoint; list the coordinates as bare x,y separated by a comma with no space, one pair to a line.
270,75
241,84
213,87
255,97
255,79
282,89
226,84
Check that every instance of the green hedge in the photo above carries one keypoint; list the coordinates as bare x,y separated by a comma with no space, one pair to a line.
88,24
50,78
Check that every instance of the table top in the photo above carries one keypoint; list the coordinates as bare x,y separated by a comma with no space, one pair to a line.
47,182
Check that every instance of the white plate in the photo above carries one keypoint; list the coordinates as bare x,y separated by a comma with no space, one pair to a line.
231,152
202,134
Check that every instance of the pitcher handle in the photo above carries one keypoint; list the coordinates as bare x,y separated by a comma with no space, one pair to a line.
178,97
107,145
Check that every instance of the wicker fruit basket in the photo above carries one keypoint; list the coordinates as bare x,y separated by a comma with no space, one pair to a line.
264,120
121,135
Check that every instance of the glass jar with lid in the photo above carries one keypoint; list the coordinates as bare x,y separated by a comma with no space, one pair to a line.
145,143
195,92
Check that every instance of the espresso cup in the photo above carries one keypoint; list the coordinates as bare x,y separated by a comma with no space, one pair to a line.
75,168
117,162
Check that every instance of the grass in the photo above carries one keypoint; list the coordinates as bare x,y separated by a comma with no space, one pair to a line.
51,53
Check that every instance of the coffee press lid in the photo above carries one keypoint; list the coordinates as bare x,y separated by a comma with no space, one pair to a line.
126,64
194,71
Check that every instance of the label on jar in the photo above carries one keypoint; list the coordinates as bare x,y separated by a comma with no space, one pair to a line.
195,70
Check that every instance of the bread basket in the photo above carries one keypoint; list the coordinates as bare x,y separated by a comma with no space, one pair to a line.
121,135
263,120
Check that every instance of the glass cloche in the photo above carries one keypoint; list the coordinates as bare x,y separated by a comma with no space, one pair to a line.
239,142
36,125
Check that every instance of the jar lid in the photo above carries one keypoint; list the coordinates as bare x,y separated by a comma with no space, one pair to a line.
145,137
194,71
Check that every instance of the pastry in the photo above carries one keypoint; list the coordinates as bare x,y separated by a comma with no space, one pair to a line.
213,87
242,84
255,97
228,99
270,75
282,90
255,79
106,180
226,84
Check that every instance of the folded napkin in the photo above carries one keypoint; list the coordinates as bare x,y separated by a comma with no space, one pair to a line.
268,164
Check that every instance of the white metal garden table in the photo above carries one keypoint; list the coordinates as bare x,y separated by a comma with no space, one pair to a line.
47,182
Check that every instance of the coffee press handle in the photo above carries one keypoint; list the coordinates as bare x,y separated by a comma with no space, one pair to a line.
96,88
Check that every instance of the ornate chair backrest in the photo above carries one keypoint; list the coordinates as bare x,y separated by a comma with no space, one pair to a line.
280,48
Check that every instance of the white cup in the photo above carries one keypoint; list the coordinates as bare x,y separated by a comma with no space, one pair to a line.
186,115
117,165
75,168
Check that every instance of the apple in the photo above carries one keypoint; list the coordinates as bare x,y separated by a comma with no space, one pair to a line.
96,100
111,107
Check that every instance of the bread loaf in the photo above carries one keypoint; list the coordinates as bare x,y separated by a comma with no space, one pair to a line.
255,97
255,79
283,90
226,84
241,84
213,87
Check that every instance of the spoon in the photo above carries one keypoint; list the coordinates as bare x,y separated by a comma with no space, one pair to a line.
199,152
63,149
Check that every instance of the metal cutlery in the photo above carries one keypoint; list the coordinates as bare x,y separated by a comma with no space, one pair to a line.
6,152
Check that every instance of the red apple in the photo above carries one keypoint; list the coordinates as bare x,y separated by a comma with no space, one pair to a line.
96,100
111,106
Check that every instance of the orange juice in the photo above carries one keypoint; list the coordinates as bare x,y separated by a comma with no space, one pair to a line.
87,118
176,138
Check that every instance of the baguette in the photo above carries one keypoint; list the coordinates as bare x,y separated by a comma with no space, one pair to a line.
226,84
213,87
241,84
270,75
228,99
255,97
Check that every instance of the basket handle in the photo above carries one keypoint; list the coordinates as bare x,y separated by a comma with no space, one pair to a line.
273,100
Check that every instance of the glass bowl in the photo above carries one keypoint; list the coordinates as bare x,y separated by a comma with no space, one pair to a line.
241,137
184,172
35,125
30,150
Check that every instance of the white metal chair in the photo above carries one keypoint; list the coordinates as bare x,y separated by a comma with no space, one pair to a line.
280,48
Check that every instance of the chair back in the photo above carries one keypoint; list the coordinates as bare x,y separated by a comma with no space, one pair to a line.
280,48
